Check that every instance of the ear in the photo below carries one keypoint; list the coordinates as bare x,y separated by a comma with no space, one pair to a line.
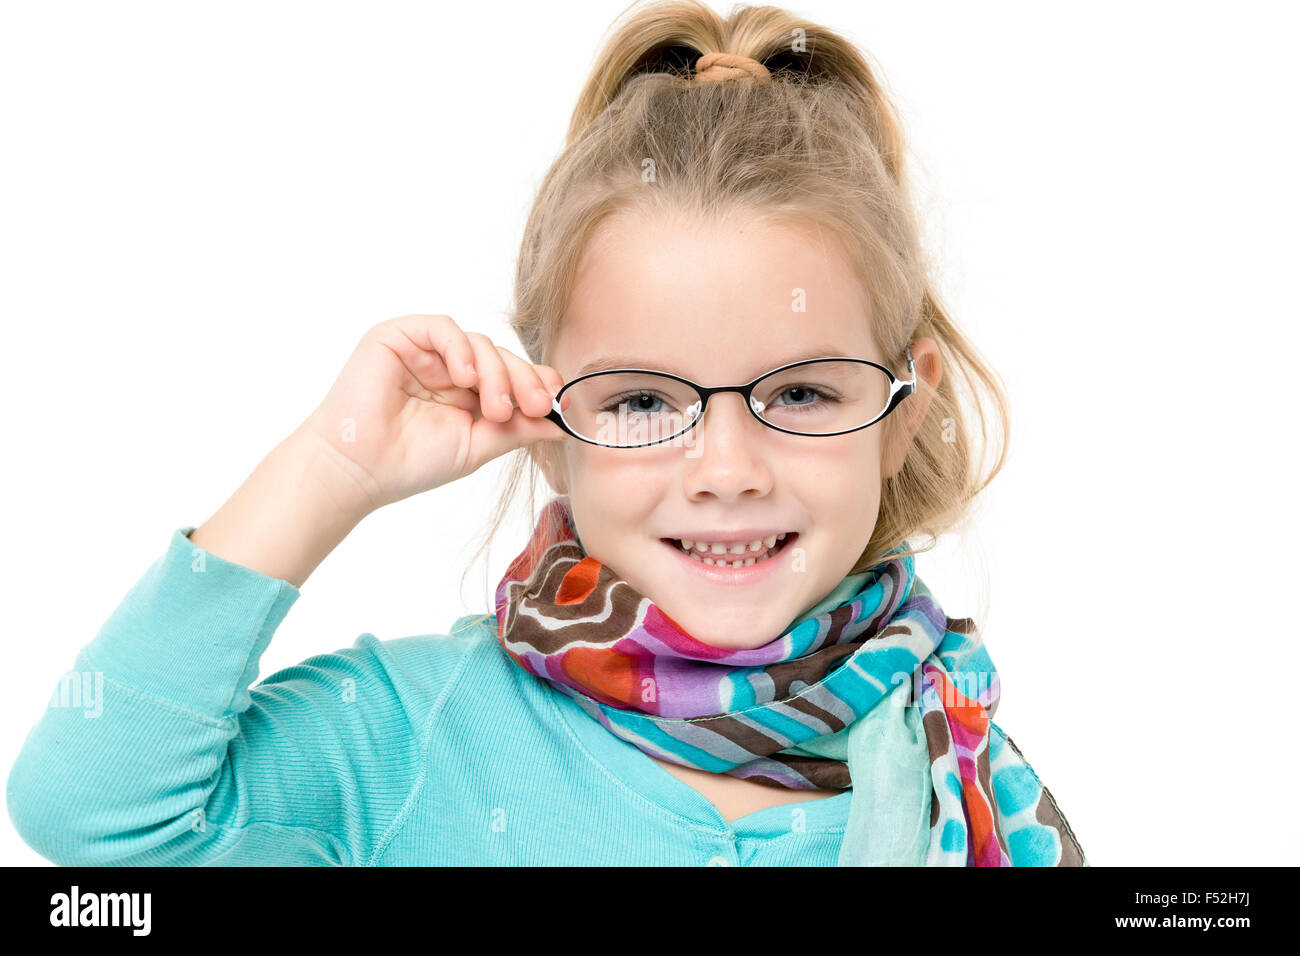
547,455
906,420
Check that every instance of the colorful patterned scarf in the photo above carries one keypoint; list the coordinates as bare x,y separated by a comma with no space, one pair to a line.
830,704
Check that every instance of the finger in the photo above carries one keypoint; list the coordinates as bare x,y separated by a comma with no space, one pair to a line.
489,439
530,391
494,393
432,345
552,379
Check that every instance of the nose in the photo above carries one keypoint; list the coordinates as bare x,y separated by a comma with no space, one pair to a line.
728,460
728,411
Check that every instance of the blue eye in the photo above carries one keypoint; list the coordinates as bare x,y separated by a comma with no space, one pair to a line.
616,402
804,389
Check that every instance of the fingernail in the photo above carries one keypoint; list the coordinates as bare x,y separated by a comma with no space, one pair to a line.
505,397
469,367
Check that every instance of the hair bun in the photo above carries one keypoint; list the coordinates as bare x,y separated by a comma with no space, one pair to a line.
720,67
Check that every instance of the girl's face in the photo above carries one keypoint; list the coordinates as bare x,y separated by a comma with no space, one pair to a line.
719,304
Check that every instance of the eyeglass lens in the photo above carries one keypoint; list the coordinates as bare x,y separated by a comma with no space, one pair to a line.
634,408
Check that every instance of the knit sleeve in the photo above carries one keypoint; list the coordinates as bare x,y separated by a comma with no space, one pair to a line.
154,750
1032,825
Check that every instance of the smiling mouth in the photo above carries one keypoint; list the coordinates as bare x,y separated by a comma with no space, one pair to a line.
729,560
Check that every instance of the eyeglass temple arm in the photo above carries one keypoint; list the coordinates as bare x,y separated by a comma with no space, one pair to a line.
902,387
907,383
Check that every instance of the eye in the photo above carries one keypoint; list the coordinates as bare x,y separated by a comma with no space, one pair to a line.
804,392
640,401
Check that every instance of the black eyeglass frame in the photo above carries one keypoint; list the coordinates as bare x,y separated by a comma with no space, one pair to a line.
899,390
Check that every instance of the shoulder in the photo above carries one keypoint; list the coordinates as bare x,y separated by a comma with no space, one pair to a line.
416,674
471,641
435,658
1033,827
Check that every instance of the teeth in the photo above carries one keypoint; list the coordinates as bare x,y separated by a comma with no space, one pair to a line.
731,564
756,551
739,547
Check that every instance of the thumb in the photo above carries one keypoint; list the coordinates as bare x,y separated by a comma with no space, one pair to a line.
489,439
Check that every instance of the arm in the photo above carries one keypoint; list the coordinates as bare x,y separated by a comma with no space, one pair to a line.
174,760
155,751
183,763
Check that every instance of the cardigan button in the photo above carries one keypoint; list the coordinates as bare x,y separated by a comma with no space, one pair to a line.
719,861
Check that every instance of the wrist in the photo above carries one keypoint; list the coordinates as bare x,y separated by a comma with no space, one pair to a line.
345,486
289,514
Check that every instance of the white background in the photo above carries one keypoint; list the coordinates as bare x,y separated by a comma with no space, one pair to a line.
204,206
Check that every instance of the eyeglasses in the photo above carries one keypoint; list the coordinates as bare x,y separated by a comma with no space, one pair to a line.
635,407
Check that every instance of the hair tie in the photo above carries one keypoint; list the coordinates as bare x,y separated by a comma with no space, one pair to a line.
720,67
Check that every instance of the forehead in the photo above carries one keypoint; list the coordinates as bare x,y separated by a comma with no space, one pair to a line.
725,299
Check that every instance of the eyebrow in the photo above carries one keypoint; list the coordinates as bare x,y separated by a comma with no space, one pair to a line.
605,363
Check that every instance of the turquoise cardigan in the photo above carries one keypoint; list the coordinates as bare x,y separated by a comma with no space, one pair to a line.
428,750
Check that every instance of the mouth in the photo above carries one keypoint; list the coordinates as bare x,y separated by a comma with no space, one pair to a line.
737,561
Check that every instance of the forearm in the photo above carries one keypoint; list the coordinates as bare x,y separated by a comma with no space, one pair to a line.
293,510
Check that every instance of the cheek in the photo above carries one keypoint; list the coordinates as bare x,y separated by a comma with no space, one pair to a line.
618,473
614,489
838,466
841,490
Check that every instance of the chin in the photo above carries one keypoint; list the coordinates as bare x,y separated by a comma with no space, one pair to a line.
741,634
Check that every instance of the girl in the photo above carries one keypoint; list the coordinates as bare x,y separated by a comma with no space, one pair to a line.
714,648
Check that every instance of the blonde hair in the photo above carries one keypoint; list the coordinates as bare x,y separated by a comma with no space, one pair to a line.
818,146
